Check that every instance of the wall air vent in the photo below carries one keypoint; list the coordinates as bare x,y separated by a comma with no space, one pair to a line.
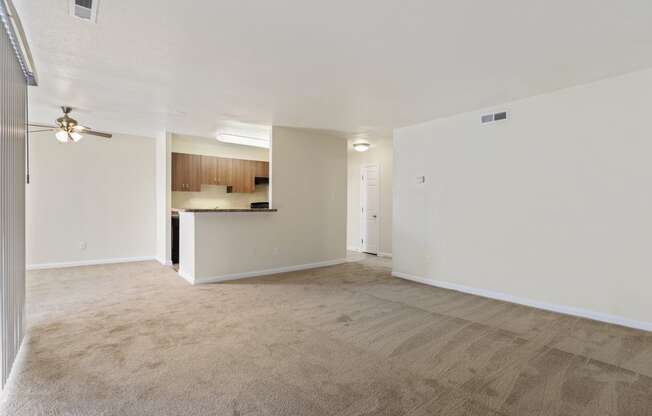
84,9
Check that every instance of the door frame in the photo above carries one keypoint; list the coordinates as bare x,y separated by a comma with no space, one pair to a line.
362,213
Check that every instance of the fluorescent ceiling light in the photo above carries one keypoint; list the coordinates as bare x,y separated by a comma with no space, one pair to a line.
244,140
361,146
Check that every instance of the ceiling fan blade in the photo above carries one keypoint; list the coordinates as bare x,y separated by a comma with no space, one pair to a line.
98,133
42,125
38,131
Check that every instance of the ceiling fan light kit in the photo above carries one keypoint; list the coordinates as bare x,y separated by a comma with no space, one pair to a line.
65,137
68,130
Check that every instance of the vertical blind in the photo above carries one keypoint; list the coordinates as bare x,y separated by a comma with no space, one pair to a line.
13,118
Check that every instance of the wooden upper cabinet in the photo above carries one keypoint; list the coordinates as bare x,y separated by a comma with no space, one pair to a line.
189,172
244,172
195,173
186,172
250,176
177,181
180,172
209,170
262,169
224,171
238,175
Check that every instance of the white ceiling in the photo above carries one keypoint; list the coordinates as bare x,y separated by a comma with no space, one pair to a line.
343,65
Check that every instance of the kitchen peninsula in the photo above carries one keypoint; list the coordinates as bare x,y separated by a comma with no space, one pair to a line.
306,197
210,176
225,210
206,234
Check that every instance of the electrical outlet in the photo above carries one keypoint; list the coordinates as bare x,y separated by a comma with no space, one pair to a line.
82,245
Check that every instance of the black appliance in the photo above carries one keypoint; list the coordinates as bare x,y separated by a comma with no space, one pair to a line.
175,239
260,205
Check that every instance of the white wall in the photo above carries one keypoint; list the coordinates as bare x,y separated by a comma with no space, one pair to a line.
309,191
213,147
380,153
97,191
553,205
215,196
163,197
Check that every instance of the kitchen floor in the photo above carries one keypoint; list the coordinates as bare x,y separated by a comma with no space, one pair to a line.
135,339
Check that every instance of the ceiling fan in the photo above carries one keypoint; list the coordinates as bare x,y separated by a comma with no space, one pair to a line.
68,130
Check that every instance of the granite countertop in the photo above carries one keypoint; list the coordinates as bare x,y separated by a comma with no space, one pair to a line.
225,210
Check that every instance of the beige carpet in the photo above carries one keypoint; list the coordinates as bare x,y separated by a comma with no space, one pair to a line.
135,339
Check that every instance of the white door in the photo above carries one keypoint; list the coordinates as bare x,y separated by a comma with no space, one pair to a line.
370,202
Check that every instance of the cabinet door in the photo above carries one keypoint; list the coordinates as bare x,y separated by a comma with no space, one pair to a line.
244,172
262,169
224,171
180,166
209,170
238,175
194,173
250,175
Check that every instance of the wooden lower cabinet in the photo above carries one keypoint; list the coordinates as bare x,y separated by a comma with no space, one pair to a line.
189,172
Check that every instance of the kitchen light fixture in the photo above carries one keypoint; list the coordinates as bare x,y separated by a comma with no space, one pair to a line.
361,146
244,140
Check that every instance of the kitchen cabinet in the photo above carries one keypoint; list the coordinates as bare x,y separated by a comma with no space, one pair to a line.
224,171
186,172
189,172
262,169
250,176
209,170
243,172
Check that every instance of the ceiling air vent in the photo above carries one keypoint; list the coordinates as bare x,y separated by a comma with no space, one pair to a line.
84,9
490,118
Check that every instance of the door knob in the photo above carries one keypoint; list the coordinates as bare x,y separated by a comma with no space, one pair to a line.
374,216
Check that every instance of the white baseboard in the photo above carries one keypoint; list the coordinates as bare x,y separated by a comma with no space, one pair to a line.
379,254
164,262
186,276
62,265
563,309
245,275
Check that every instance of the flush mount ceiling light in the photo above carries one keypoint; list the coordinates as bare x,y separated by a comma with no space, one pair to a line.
243,140
361,146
